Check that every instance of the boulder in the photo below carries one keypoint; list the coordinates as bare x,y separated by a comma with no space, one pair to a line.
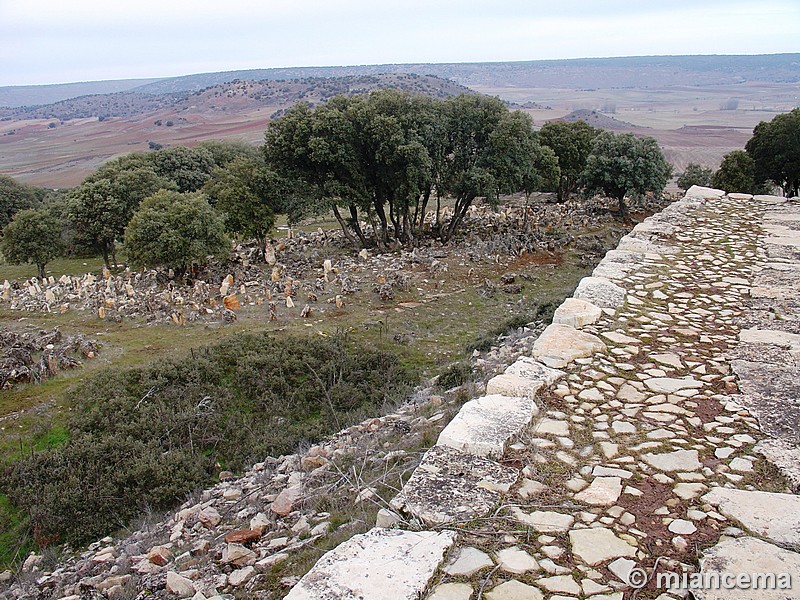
601,292
560,344
577,313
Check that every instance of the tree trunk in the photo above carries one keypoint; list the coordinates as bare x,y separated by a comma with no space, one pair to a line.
114,254
356,226
384,224
40,267
350,237
104,252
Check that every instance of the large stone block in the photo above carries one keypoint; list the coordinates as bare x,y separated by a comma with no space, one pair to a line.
382,563
484,425
508,384
774,516
531,369
560,344
450,485
577,313
601,292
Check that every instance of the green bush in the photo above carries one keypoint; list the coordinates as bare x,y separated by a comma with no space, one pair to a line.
145,437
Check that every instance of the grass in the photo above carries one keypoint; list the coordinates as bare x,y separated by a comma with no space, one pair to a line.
56,268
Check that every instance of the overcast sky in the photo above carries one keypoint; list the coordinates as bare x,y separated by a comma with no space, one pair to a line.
59,41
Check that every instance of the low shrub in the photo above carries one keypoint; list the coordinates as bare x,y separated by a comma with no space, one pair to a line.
145,437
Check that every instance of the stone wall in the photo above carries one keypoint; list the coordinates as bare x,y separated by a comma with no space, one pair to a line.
630,442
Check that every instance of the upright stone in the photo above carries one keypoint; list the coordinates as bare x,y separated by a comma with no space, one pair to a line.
601,292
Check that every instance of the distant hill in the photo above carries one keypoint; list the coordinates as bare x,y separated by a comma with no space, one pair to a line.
638,71
30,95
596,119
583,73
236,96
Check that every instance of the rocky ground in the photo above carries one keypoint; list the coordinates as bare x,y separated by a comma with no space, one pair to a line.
634,446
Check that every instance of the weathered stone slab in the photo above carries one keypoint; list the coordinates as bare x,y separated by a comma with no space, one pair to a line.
468,562
698,191
484,425
382,563
603,491
510,385
774,516
544,521
601,292
559,345
450,485
784,455
577,313
514,590
679,460
747,556
670,385
531,369
451,591
790,341
596,545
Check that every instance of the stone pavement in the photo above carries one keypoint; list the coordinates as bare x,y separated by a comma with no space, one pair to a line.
635,437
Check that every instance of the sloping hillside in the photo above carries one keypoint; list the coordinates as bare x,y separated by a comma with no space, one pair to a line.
235,96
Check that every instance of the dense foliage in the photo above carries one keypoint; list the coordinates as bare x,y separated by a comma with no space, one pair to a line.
145,437
172,230
695,175
14,197
385,156
572,144
736,173
623,164
32,236
775,150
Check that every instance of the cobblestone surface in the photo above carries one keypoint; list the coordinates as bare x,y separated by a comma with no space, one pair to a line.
627,464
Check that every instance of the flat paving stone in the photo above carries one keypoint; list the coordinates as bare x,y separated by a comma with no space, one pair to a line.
774,516
451,591
352,570
596,545
468,561
602,491
679,460
669,385
747,556
514,590
544,521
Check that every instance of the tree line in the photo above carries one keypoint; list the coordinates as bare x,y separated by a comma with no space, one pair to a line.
388,160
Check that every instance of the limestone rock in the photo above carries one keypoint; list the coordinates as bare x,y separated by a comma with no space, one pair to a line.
679,460
559,345
774,516
544,521
484,425
286,500
531,369
514,590
577,313
468,562
179,585
450,485
603,491
515,560
513,386
350,571
596,545
601,292
747,555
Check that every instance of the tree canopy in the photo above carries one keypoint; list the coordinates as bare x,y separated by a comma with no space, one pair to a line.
736,173
32,236
383,156
622,164
695,174
248,195
775,150
101,207
14,197
572,144
172,230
